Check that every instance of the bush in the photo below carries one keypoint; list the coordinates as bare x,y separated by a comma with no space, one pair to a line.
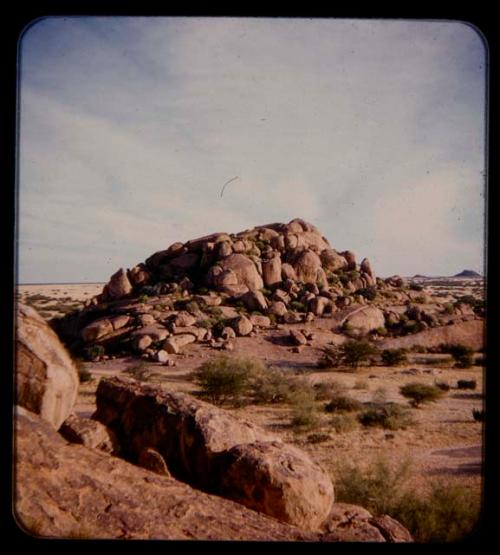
224,379
368,293
443,386
344,423
447,513
304,411
361,383
192,307
394,357
416,287
478,415
270,386
389,416
448,308
355,352
318,438
466,384
462,355
326,390
420,299
297,306
83,374
419,393
343,403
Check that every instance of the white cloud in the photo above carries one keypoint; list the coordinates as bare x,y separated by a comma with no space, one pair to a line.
131,127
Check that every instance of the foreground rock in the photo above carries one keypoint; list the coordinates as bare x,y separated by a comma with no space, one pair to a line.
46,378
354,524
69,491
212,450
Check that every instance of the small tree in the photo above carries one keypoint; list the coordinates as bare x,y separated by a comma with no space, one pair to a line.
355,352
393,357
462,355
419,393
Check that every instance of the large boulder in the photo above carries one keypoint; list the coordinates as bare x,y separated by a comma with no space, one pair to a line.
46,378
90,433
271,271
306,265
118,286
332,260
70,491
366,319
242,268
277,480
211,449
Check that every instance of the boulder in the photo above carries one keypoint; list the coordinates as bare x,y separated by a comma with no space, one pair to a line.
244,269
306,265
142,342
118,286
183,319
277,480
271,271
138,275
211,449
97,329
365,267
69,491
161,356
119,322
260,321
350,259
351,523
332,260
173,345
288,272
228,333
297,337
46,378
366,319
255,300
242,325
318,305
90,433
277,308
156,333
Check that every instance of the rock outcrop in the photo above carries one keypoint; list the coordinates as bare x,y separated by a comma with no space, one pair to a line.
276,269
69,491
46,378
212,450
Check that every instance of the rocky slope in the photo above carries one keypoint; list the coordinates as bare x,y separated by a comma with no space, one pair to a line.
215,288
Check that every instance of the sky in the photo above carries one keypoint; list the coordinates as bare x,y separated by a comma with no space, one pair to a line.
372,130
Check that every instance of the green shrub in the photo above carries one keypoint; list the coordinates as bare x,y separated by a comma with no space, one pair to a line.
344,423
419,393
223,379
343,403
389,416
448,308
466,384
355,352
303,409
270,386
463,355
446,514
416,287
139,372
394,357
381,331
420,299
192,307
318,438
379,396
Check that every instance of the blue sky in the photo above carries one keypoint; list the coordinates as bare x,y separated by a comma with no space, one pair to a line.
129,128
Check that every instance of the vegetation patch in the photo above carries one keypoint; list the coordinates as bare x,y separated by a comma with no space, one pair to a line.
390,416
419,393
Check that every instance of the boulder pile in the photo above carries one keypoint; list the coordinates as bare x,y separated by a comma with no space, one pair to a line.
221,286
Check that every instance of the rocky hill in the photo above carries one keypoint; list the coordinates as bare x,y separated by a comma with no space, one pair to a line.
221,286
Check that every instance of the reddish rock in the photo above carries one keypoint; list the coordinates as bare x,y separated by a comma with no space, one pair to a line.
46,378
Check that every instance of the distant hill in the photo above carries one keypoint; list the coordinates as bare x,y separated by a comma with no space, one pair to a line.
468,274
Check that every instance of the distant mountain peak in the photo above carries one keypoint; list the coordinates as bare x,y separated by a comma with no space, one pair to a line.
468,274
